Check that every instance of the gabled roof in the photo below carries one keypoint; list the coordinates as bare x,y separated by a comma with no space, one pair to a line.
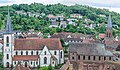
89,49
37,44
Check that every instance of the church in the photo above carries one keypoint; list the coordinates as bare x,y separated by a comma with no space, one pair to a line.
30,52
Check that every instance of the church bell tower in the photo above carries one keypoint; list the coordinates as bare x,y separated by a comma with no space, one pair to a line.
109,27
8,36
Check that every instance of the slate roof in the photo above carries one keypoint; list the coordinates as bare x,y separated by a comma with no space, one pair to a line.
37,44
109,24
8,26
89,49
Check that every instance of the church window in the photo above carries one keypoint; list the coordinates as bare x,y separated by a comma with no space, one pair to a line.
88,57
45,52
31,52
7,56
45,60
93,57
99,58
72,58
61,54
16,53
104,58
15,62
37,52
21,52
55,53
7,43
78,57
83,57
109,58
26,52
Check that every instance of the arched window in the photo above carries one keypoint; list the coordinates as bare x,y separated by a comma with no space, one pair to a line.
26,52
7,56
45,60
45,52
37,52
55,53
78,57
7,39
21,52
7,64
61,54
31,52
7,42
16,53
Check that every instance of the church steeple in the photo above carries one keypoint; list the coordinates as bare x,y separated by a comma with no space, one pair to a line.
109,27
8,26
109,24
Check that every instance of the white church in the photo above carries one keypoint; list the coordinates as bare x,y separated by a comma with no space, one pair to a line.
30,52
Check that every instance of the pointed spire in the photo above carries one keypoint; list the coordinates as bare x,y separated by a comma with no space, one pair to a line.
109,24
8,26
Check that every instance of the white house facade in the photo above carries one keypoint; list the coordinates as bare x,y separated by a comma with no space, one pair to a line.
30,52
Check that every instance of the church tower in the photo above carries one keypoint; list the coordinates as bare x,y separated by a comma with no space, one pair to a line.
8,43
109,27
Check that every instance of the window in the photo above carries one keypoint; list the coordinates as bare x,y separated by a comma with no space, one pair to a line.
109,58
31,52
45,60
88,57
61,54
15,62
21,52
26,52
7,56
99,58
104,58
37,52
16,53
45,52
7,42
93,57
78,57
83,57
72,58
31,62
55,53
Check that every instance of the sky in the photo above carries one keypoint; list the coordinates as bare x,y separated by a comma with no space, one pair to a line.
112,5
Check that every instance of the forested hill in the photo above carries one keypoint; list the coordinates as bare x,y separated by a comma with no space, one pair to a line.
22,22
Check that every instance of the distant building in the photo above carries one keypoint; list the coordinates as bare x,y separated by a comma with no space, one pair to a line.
30,52
52,18
76,16
54,24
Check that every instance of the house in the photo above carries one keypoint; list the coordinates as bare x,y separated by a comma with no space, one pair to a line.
30,52
52,17
60,17
63,24
54,24
76,16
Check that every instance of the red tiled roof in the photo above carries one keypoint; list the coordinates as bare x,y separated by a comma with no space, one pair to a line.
25,57
102,35
37,44
20,67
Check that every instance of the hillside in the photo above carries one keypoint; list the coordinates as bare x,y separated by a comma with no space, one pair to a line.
40,23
